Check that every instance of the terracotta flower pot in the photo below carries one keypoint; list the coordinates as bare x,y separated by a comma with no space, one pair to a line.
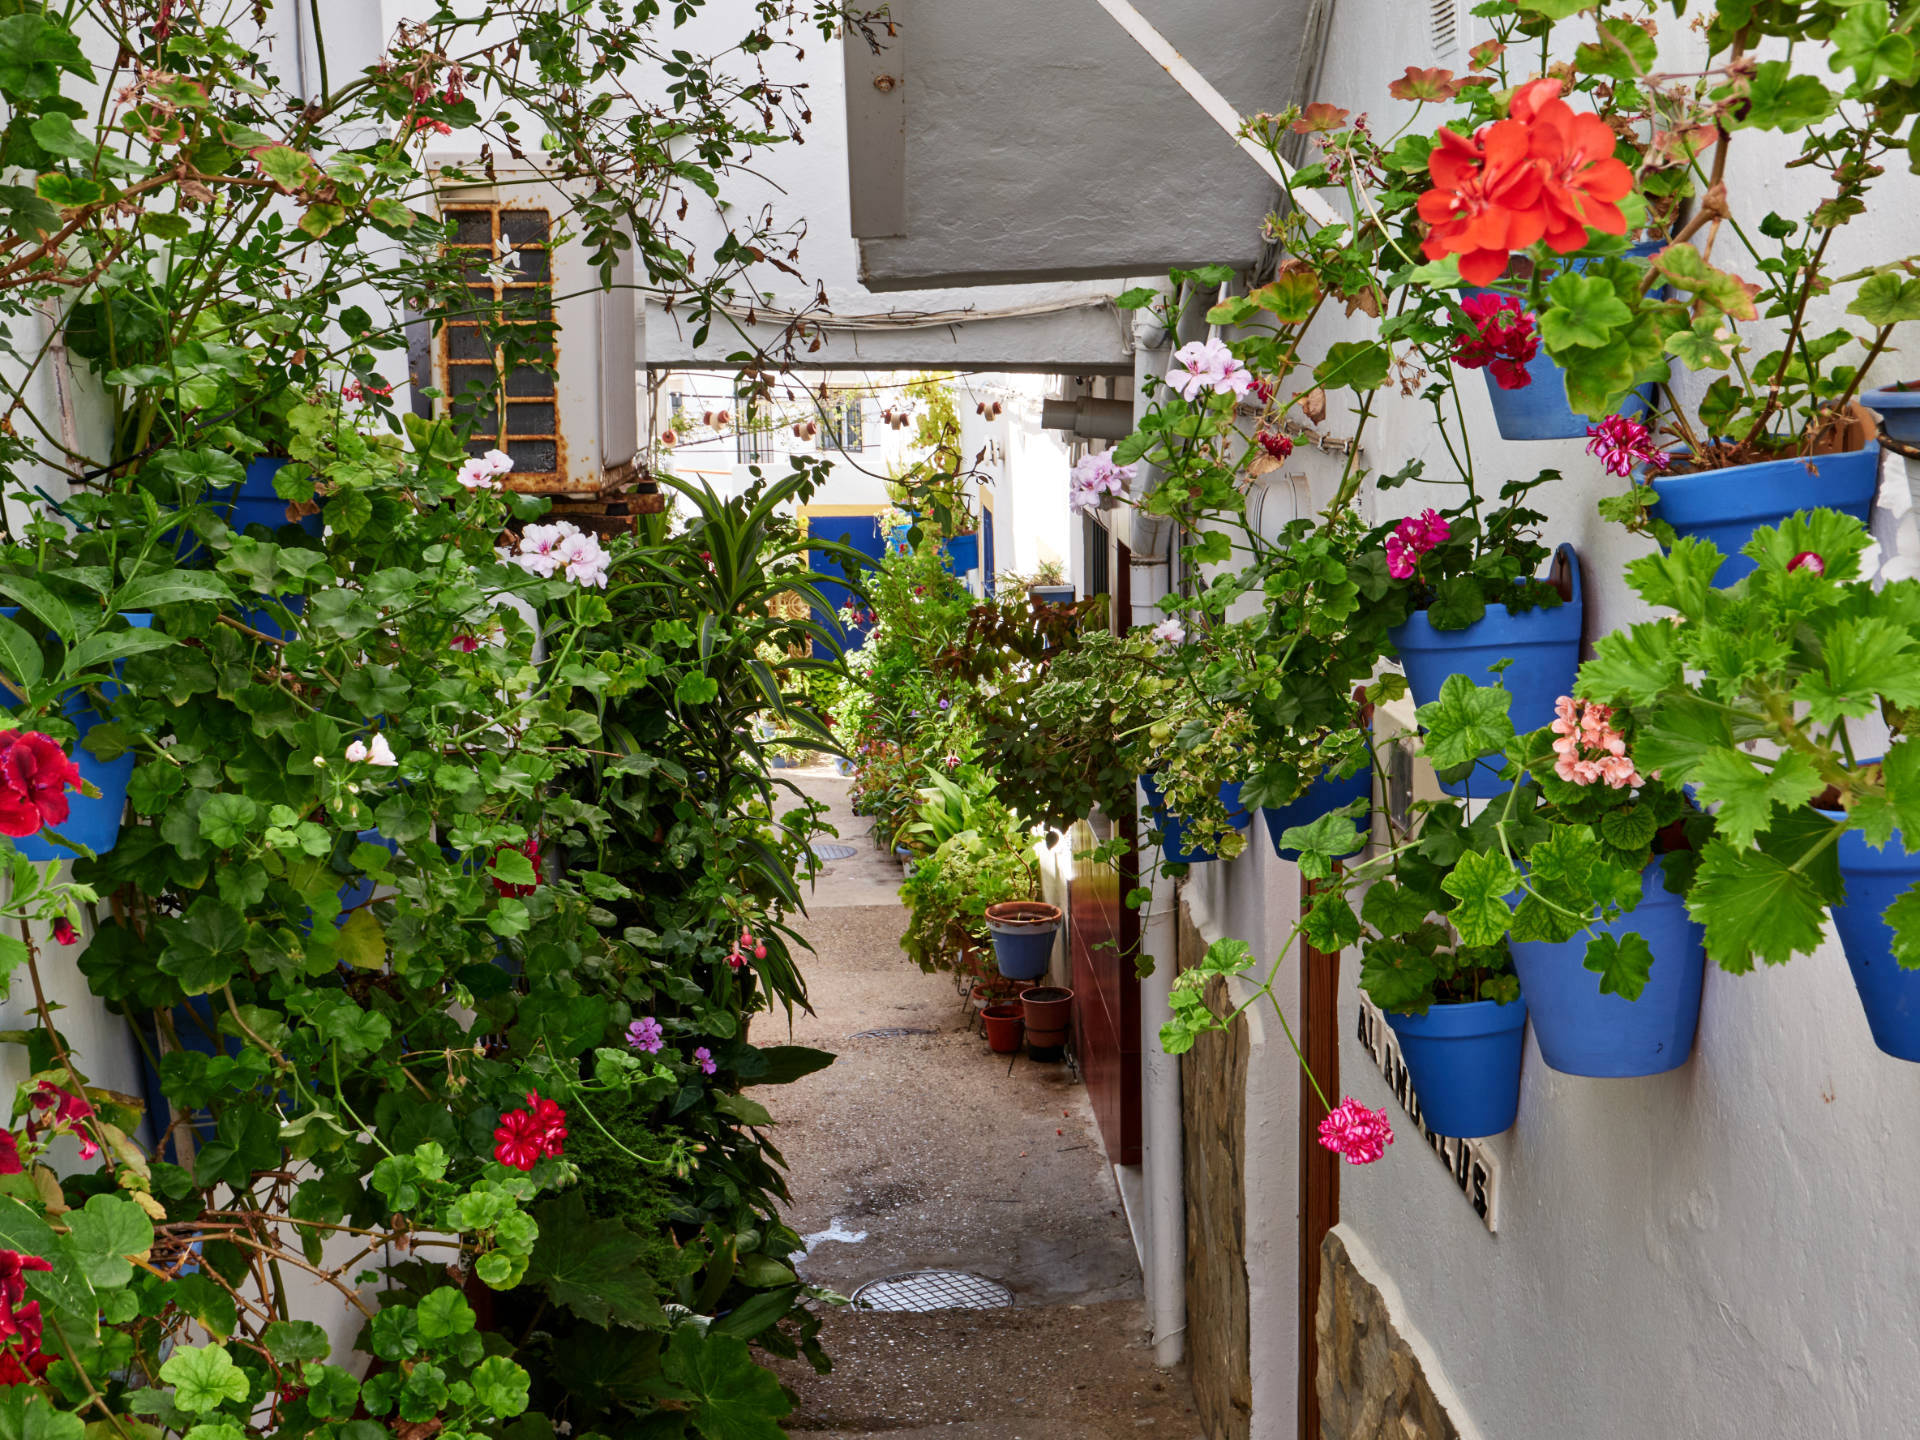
1003,1025
1047,1009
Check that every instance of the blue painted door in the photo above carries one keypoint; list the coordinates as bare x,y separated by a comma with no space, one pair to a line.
986,546
862,533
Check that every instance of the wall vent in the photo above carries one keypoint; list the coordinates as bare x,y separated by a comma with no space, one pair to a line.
1443,28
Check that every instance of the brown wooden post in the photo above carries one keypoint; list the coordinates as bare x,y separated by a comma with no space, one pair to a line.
1319,1166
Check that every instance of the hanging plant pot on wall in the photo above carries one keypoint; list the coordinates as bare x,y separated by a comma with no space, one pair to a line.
1023,933
1726,506
1899,409
1583,1032
1539,410
1464,1061
1326,794
1173,834
93,823
1543,646
1889,993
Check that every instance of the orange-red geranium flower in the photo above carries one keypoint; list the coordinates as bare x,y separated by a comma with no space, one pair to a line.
1544,173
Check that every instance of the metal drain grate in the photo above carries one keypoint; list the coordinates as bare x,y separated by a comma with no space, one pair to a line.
834,852
891,1032
919,1290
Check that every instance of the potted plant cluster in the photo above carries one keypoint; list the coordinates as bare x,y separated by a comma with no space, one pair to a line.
1712,783
417,840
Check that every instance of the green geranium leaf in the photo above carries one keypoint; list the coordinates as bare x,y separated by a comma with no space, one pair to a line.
1676,736
1780,100
1634,665
1887,299
696,689
1747,793
1480,882
26,1414
1392,909
1864,660
1754,905
502,1386
293,1342
204,1378
1355,364
1584,313
444,1314
728,1396
1865,42
1685,268
1623,964
1330,926
595,1268
1323,842
1466,722
1903,918
227,819
107,1234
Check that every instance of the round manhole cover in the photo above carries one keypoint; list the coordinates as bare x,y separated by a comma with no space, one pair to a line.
933,1290
834,852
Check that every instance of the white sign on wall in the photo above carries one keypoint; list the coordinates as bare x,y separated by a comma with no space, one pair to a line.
1471,1163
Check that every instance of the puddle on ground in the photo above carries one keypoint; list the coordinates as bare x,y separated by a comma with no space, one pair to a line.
834,1231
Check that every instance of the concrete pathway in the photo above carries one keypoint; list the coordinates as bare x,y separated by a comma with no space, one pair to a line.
920,1150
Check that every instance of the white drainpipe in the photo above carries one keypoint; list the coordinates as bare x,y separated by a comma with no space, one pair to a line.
1162,1161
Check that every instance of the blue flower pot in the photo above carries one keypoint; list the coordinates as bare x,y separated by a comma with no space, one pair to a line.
92,823
1581,1031
1899,412
1050,594
253,502
1544,646
1539,410
1889,994
1464,1061
1023,937
1328,793
1727,506
1173,843
963,553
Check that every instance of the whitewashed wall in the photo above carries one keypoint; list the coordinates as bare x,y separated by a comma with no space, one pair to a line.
1723,1251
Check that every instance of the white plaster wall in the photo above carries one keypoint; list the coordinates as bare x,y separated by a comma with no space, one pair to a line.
1724,1251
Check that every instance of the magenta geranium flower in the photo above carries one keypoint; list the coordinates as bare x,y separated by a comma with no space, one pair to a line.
1411,538
1621,444
645,1034
1359,1135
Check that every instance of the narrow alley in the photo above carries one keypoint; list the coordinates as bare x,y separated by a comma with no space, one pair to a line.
919,1150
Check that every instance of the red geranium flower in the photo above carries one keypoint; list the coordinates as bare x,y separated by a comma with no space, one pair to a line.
34,775
64,932
10,1154
523,1136
530,847
1544,173
1502,337
516,1140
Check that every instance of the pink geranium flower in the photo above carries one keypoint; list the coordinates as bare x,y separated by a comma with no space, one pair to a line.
1358,1135
1587,747
1208,365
